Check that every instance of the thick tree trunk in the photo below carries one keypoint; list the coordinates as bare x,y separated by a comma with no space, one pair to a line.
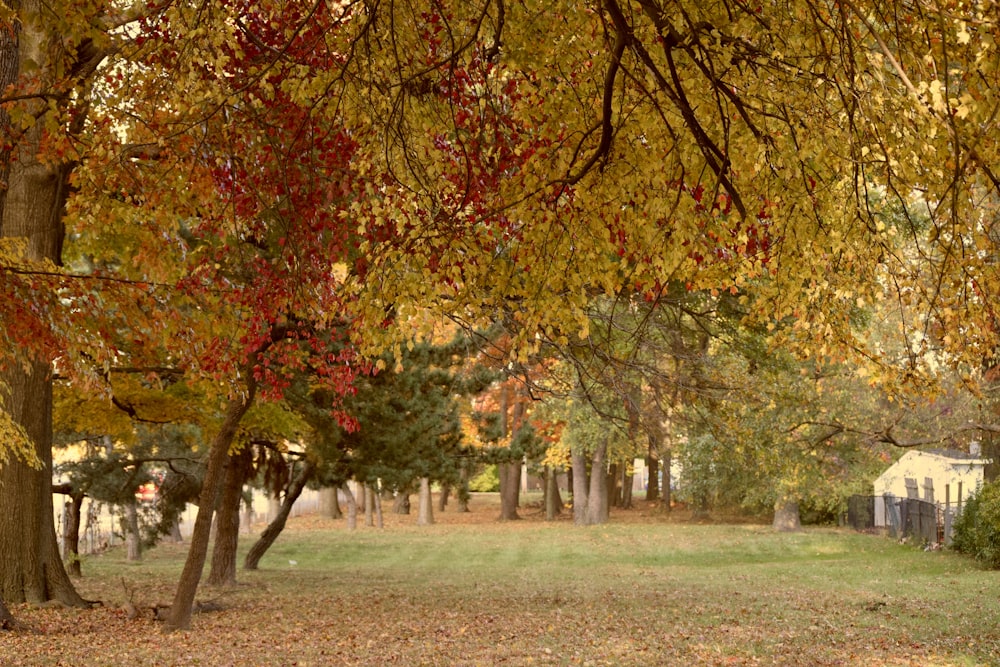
71,536
329,505
179,617
653,469
352,507
425,506
32,206
581,490
614,485
786,515
133,540
277,524
510,489
597,505
31,567
359,496
553,501
222,571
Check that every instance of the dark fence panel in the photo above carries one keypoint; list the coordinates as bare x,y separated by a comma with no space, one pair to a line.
920,520
861,512
900,517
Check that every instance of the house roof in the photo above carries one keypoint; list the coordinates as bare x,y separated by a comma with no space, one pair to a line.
958,456
954,454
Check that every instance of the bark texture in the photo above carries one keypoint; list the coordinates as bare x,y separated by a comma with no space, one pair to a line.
443,497
31,567
277,524
222,571
590,491
553,501
510,489
329,505
786,515
597,501
352,507
369,505
425,506
32,206
71,536
653,466
179,617
133,540
379,519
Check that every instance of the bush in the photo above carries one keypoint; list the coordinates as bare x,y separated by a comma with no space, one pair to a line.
977,531
486,481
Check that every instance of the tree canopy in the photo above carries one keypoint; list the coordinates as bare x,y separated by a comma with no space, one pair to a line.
236,191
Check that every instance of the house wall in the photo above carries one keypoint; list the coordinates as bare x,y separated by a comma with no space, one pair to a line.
943,470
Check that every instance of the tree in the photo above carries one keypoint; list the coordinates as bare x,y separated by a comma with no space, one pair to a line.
407,414
31,235
292,492
490,157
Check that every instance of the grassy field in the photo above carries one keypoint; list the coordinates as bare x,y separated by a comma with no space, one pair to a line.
642,590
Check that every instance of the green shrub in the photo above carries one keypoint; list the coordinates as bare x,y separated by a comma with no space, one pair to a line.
977,531
486,481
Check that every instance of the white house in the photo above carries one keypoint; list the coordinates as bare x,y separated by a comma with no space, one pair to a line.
945,477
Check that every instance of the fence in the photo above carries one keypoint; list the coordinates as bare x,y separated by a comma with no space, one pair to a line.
902,517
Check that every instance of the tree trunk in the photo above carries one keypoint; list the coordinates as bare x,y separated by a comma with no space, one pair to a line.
369,505
247,517
667,495
510,489
462,495
379,521
222,571
443,497
71,536
786,515
614,485
329,505
133,540
628,479
32,567
581,491
352,507
179,617
597,505
425,507
175,531
401,505
32,205
277,524
653,470
553,502
359,496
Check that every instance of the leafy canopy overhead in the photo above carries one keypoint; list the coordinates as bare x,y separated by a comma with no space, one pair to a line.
515,159
720,144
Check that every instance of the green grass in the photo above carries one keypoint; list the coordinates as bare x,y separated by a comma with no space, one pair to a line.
470,591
